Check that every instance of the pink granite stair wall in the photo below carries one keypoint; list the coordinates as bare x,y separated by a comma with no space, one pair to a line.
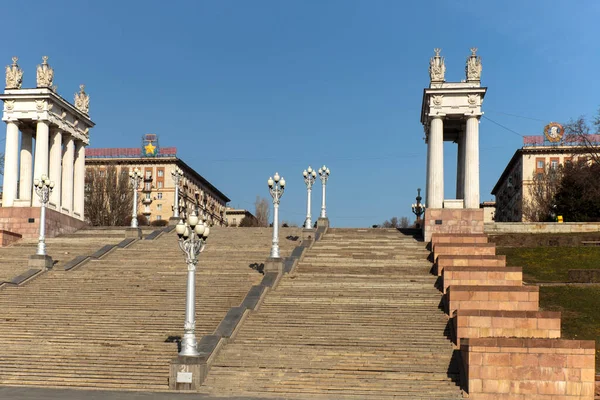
509,349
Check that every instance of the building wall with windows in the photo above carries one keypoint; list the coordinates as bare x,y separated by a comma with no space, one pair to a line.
156,194
512,189
235,216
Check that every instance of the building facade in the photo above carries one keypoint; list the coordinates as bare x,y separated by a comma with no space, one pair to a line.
234,216
551,150
156,194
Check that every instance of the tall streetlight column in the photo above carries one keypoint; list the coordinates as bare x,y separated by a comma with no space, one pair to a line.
135,177
192,239
43,187
276,188
323,175
177,174
309,178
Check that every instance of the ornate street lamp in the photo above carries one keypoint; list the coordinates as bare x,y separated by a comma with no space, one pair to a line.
135,177
276,188
192,239
43,188
177,174
324,175
418,208
309,178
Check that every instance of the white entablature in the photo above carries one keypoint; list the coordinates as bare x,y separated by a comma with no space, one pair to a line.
43,104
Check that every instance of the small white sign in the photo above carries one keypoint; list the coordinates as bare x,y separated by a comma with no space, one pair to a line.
184,377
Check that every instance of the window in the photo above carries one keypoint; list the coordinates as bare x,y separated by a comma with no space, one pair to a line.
159,184
148,196
159,207
160,173
159,196
148,173
158,217
148,185
568,161
554,162
540,164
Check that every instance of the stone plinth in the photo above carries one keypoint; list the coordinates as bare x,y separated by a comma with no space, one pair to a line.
482,276
470,324
25,221
541,369
323,222
444,261
274,265
308,234
135,233
39,261
509,298
455,221
187,373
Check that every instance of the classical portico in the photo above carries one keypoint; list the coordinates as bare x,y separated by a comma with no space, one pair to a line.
54,134
451,111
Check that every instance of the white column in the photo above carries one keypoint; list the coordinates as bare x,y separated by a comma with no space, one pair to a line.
55,167
435,160
460,166
472,163
67,174
11,164
79,179
40,166
25,175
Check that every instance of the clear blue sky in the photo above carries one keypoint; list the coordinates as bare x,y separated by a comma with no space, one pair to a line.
247,88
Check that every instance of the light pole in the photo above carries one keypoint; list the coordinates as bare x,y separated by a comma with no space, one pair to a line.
43,188
135,177
192,238
324,175
309,178
418,208
276,188
177,174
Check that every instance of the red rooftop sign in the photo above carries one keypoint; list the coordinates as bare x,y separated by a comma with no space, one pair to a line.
126,152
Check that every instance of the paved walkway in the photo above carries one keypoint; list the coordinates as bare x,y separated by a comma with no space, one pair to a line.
23,393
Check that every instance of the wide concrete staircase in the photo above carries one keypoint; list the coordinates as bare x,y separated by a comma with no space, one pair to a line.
14,258
357,319
113,323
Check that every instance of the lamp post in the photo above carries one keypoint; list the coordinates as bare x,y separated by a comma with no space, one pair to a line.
324,175
177,174
135,177
418,208
309,178
192,238
276,188
43,188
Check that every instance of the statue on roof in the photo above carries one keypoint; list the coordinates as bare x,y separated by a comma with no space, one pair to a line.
14,75
82,100
437,69
473,68
45,74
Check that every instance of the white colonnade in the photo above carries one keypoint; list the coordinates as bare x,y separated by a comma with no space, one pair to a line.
60,131
451,112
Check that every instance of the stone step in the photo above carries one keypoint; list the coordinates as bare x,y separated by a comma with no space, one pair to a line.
464,249
505,298
443,261
481,276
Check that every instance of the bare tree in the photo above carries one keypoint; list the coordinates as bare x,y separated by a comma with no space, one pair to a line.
404,222
581,132
540,204
108,198
262,211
